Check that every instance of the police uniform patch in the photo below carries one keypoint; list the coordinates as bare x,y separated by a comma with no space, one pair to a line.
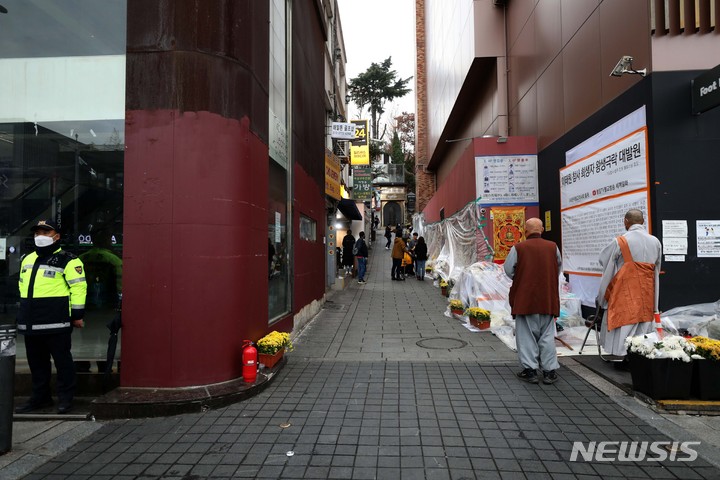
49,274
78,270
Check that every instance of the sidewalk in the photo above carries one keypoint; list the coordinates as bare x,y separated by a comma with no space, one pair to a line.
383,385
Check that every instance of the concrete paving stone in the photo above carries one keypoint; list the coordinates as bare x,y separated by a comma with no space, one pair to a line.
388,473
340,472
346,449
507,464
505,475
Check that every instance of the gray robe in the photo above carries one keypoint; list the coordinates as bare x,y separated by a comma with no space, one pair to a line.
644,248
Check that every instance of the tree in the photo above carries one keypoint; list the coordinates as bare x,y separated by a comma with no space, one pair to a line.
372,88
405,132
396,151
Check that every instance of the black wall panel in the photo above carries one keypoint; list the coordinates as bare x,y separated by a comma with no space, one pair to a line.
684,153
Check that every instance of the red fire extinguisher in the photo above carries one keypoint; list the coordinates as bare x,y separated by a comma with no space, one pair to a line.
249,361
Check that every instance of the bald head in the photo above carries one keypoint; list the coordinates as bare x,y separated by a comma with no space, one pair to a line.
634,217
533,225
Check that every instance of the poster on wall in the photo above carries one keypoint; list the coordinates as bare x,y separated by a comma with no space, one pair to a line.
605,176
508,229
618,168
708,238
507,179
587,229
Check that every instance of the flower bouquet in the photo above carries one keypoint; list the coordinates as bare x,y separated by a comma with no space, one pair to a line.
457,307
706,348
272,346
650,346
706,377
661,368
479,317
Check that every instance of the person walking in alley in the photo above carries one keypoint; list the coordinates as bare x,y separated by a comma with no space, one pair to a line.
535,265
348,259
388,236
361,253
398,252
52,303
639,251
411,246
420,258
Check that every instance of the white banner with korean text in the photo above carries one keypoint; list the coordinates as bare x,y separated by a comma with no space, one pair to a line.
605,176
613,170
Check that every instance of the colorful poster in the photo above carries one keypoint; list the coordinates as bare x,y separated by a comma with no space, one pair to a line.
508,179
508,229
332,175
360,146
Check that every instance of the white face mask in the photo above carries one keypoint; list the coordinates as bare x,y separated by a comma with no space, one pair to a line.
43,241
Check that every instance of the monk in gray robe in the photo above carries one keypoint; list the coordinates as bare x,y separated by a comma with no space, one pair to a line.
644,248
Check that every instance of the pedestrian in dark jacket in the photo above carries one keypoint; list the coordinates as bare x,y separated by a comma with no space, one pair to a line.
361,254
420,258
348,259
388,235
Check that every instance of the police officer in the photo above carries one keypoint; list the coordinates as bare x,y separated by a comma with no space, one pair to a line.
52,302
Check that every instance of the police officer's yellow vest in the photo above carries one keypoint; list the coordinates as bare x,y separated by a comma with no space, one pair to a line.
52,293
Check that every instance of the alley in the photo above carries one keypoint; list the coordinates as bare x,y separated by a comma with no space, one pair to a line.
382,385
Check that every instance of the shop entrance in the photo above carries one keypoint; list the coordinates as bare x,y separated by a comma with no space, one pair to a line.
392,214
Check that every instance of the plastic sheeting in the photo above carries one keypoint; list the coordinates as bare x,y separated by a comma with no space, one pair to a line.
699,319
453,243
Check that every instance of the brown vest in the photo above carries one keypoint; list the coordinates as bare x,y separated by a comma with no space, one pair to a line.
631,293
535,285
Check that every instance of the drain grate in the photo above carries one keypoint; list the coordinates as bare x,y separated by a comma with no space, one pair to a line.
441,343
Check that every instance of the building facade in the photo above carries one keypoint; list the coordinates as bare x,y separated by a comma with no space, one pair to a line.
192,135
506,79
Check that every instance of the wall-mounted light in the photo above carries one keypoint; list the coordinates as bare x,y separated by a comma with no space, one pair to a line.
624,66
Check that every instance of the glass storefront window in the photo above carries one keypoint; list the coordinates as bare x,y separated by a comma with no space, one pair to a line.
279,238
62,140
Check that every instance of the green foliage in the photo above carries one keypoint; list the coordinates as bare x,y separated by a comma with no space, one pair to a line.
396,152
405,130
377,85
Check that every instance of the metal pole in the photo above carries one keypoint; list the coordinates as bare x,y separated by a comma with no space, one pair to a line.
7,385
76,210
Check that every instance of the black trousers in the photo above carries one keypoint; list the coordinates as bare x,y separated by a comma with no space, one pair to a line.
395,272
39,349
387,245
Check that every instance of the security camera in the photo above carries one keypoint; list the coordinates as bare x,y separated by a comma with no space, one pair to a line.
625,61
625,66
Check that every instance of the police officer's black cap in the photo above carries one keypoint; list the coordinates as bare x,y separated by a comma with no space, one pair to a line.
46,224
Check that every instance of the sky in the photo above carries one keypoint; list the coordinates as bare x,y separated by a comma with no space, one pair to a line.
374,30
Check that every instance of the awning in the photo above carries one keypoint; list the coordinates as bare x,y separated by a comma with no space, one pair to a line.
348,208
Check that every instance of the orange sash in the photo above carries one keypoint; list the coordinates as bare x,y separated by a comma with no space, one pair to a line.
631,293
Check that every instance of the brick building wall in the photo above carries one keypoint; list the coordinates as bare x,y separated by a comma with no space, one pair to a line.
424,180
